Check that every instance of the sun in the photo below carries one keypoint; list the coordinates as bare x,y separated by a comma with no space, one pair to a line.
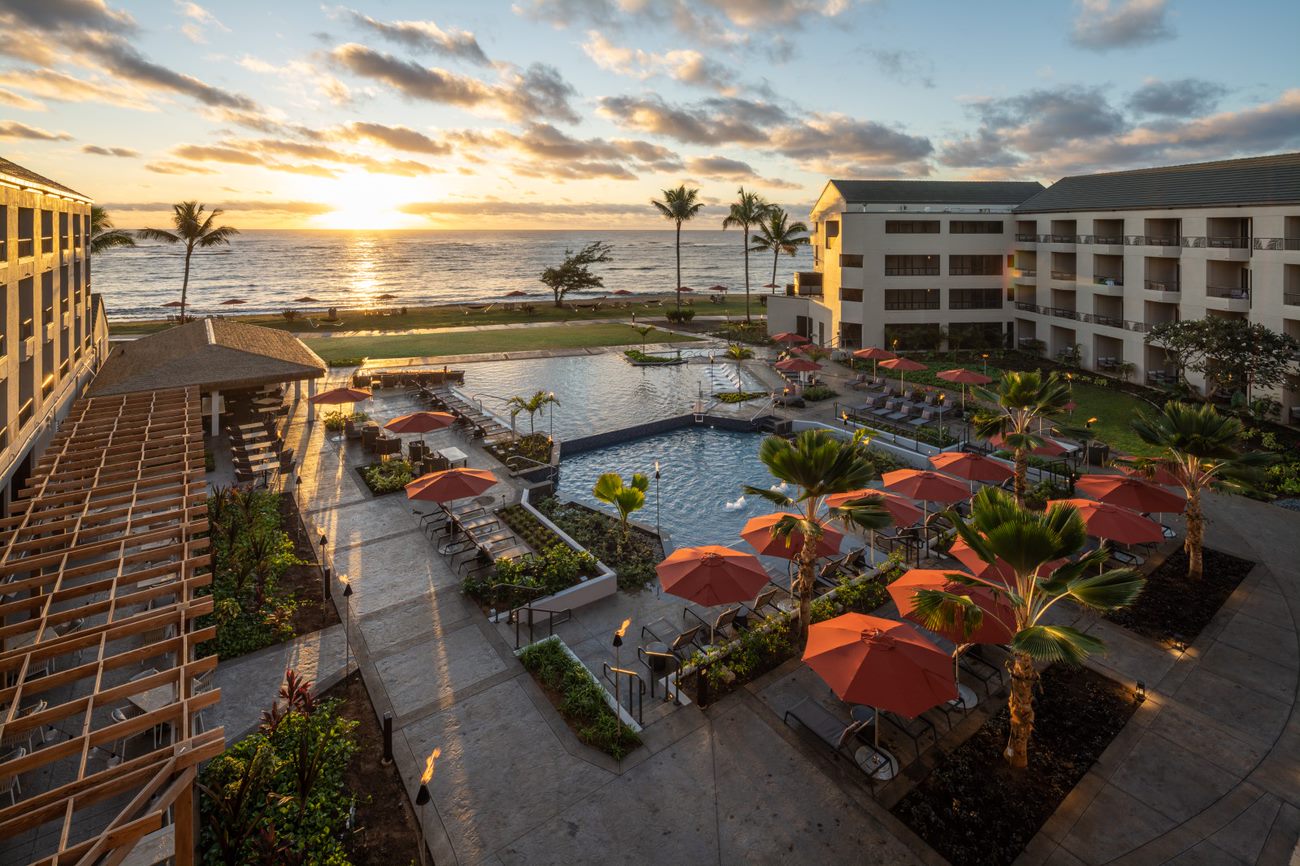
361,200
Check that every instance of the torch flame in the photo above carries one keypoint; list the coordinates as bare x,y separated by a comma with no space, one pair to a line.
344,579
427,775
622,630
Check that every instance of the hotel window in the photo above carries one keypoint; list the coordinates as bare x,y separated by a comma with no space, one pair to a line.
47,231
911,299
832,232
975,266
975,227
4,233
850,261
975,299
65,239
911,227
850,294
911,266
26,232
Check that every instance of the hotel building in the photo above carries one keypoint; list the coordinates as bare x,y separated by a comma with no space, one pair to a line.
1081,270
53,333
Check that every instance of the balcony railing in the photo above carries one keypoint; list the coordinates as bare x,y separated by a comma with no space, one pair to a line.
25,413
1152,240
1277,243
1232,293
1108,281
26,329
793,291
1075,315
1162,285
1291,299
1024,272
1059,239
912,272
1024,237
1063,275
1218,243
26,248
1117,240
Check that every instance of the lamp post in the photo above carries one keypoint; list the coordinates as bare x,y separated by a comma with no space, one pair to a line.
618,669
940,406
422,798
550,414
985,358
324,566
657,530
347,623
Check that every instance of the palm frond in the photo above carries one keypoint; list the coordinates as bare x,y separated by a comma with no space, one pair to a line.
1110,590
775,497
1056,643
947,611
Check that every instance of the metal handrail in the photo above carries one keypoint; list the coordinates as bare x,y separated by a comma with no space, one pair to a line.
632,677
550,620
672,663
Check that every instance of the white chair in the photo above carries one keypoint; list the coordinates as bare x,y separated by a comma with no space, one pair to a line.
9,784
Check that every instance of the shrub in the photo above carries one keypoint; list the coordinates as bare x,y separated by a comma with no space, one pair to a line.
817,392
349,361
335,421
634,562
644,358
534,446
289,315
387,477
739,396
680,317
512,582
580,699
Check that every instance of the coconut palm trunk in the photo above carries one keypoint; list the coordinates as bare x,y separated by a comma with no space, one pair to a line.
1020,704
747,316
806,575
1021,478
1195,541
185,281
677,290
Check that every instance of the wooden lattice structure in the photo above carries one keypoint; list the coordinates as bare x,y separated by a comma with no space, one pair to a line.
101,563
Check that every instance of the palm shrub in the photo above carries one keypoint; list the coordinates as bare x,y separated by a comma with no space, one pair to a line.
103,235
532,405
195,229
1000,529
1201,448
817,465
1023,399
626,498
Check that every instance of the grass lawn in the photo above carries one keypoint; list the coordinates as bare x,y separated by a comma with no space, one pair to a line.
451,316
473,342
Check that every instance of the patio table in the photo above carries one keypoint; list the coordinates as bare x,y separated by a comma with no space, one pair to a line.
454,456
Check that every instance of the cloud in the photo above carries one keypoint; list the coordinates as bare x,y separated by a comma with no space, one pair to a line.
124,152
537,92
311,208
17,100
15,129
270,153
121,59
302,79
685,65
749,14
168,167
905,67
720,120
200,19
1103,25
426,36
726,168
1183,97
61,87
396,137
546,152
69,14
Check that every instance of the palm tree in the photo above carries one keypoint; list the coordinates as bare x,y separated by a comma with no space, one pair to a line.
1199,447
776,234
746,212
817,465
194,228
1023,399
738,353
999,528
626,498
679,205
532,405
644,331
102,234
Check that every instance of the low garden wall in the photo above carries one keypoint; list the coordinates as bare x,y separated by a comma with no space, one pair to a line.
901,448
614,706
587,591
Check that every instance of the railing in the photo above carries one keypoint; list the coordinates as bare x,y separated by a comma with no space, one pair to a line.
47,243
1232,293
803,291
1076,316
912,272
1291,299
1025,272
26,329
26,248
1117,240
669,664
25,413
1025,237
635,689
1216,242
1152,240
1060,239
518,616
1272,244
1107,281
1064,275
1162,285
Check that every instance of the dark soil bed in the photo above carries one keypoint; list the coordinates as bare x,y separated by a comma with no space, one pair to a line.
304,581
974,809
385,832
601,534
1171,608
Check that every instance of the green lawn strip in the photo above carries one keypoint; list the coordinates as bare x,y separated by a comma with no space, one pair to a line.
475,342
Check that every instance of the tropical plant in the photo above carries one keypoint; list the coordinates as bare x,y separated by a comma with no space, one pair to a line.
532,405
1232,353
746,212
736,352
574,273
817,465
679,205
194,228
626,498
776,234
102,234
1023,399
644,331
1201,449
1002,530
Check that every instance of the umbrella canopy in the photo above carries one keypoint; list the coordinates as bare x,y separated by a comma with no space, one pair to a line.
972,467
797,365
712,574
1156,473
903,365
874,353
926,485
619,292
1114,523
516,293
790,338
306,299
758,533
718,288
1049,448
450,485
881,663
902,511
771,286
685,289
339,395
1130,492
963,377
230,302
421,422
1000,571
386,296
999,623
173,304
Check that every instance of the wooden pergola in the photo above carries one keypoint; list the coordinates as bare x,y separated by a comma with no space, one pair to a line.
101,564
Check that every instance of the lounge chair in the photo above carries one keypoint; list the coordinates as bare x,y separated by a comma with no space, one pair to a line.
723,624
766,598
679,643
913,729
927,416
841,737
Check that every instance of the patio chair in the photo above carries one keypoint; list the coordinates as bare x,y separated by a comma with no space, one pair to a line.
927,416
842,738
24,738
679,643
975,665
9,784
913,729
766,598
724,622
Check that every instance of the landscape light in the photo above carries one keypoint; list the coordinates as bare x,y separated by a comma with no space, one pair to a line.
1141,691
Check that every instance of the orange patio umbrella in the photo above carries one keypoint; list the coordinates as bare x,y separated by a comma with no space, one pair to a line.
1114,523
711,575
973,467
790,338
337,396
875,355
449,485
926,486
903,512
1128,491
757,532
902,365
963,377
421,422
797,365
999,623
1157,472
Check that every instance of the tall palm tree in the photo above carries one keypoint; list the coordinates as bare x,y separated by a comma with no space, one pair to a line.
679,205
532,405
1023,399
818,465
626,498
746,212
1199,447
776,234
999,528
739,353
194,228
102,234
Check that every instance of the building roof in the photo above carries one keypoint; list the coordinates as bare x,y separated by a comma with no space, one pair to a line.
1257,180
209,353
973,192
27,176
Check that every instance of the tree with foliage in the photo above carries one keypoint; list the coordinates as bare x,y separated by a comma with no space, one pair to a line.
644,331
1231,353
776,234
817,465
625,497
738,353
102,234
679,205
197,230
574,273
1201,448
532,405
1023,399
746,212
1000,530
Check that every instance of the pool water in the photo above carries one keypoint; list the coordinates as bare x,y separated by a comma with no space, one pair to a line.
598,393
701,471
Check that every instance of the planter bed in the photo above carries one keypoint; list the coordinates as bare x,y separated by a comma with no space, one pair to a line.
304,580
638,358
535,446
1172,608
578,697
733,397
975,810
599,533
386,477
527,528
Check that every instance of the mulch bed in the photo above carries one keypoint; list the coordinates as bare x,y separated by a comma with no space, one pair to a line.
304,581
1172,608
385,832
975,809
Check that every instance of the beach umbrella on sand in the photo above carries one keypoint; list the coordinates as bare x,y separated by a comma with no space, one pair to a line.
972,467
711,574
790,338
685,289
771,286
964,378
230,302
517,293
718,288
902,365
622,292
386,296
875,355
1114,523
449,485
757,532
306,299
172,304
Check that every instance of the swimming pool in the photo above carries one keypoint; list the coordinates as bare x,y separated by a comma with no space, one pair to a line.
598,393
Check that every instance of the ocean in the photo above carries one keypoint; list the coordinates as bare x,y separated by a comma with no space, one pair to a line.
268,269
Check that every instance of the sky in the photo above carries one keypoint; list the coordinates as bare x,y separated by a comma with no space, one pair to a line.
575,113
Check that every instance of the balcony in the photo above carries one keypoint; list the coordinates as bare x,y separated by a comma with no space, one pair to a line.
1026,238
1233,249
1291,244
26,248
850,294
25,413
1170,244
1234,299
1026,275
1068,276
1113,286
807,284
1091,318
1163,290
1291,299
